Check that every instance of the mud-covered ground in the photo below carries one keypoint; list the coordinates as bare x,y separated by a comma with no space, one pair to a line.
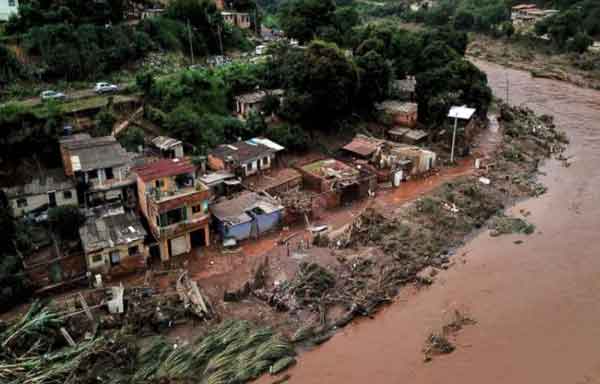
580,69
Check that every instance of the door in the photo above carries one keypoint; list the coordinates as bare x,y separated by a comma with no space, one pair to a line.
52,199
198,238
178,246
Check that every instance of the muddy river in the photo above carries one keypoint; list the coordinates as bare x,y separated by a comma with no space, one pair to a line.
537,304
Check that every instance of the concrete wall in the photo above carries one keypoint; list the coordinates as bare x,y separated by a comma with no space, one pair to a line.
7,8
37,201
127,263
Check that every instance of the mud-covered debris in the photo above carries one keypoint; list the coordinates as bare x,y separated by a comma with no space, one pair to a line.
502,225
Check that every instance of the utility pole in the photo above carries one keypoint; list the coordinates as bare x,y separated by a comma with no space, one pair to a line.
189,28
453,139
507,88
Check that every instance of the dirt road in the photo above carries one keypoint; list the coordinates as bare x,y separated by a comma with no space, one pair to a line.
74,95
537,303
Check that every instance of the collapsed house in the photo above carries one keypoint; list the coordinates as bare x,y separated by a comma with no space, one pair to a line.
276,182
244,158
248,102
101,166
338,182
401,113
391,161
247,216
175,204
169,148
113,242
51,188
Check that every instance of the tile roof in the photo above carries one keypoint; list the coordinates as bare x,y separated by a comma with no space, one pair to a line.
164,168
48,180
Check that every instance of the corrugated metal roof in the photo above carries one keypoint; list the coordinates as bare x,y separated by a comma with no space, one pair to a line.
235,210
268,143
463,112
164,142
89,153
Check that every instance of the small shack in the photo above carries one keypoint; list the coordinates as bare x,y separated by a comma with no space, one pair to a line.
401,113
169,148
407,135
247,216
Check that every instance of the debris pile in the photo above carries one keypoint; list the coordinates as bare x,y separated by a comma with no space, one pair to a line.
234,352
502,225
440,343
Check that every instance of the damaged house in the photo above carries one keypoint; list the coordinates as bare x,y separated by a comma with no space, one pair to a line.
340,183
175,204
401,113
247,216
248,102
113,242
51,188
244,158
390,159
101,167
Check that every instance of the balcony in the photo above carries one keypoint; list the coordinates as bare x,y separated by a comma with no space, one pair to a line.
178,190
195,222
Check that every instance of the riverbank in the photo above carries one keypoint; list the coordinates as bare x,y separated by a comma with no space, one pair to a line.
581,70
534,297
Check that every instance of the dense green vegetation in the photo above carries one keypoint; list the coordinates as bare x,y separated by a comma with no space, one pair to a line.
83,39
10,68
13,283
305,20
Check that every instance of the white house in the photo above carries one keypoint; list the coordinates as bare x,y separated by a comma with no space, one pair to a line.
7,8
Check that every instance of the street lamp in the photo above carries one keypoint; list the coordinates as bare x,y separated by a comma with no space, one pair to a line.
462,113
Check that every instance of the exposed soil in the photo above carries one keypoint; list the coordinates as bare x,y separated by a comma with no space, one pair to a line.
532,58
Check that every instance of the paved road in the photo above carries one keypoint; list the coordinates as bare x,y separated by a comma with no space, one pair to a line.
74,95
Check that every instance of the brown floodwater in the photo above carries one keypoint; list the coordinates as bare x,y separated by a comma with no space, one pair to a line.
537,304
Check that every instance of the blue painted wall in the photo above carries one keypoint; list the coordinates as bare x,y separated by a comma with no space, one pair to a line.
243,231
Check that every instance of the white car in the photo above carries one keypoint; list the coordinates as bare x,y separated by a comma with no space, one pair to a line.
105,88
52,95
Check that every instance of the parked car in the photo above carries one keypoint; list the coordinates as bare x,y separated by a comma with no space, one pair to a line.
52,95
105,88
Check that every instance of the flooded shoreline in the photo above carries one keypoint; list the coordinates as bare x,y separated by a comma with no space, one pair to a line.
536,303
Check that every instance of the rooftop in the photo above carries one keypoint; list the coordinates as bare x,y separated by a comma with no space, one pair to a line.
165,168
110,230
235,211
363,145
215,178
255,97
89,153
241,151
397,106
330,168
406,85
164,142
48,180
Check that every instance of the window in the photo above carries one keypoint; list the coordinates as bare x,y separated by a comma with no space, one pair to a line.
21,203
115,258
159,183
265,161
12,3
97,258
173,216
67,195
132,251
93,174
196,208
109,173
